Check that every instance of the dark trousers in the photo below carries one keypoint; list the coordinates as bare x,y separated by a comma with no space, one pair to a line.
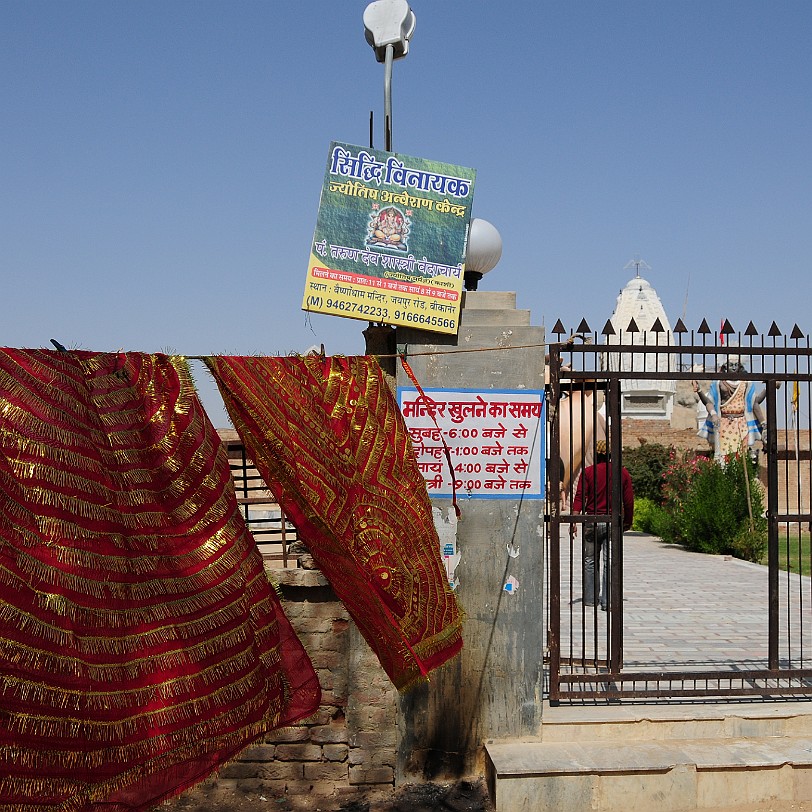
595,571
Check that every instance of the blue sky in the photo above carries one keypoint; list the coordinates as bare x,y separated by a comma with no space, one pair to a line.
161,162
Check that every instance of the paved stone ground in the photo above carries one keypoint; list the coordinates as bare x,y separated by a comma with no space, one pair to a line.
687,610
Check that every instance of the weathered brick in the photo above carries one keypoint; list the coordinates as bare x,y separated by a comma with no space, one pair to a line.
282,771
383,758
334,642
302,764
300,578
314,624
374,738
325,771
294,611
358,756
240,770
258,752
329,734
229,788
373,775
288,734
341,687
369,696
331,697
299,788
298,752
381,717
275,788
335,752
327,609
327,659
371,758
326,680
322,716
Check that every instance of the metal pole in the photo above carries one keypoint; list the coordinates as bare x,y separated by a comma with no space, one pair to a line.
387,97
772,527
615,608
554,525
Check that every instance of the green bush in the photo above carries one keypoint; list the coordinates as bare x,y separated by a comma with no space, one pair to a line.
710,512
664,524
643,514
751,545
706,506
683,467
647,464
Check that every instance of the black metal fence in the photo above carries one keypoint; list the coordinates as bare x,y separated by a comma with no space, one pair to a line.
597,383
273,531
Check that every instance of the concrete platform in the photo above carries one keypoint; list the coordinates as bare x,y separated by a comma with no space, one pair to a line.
682,611
669,759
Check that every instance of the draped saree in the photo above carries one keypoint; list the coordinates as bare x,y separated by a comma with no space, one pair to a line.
140,642
328,438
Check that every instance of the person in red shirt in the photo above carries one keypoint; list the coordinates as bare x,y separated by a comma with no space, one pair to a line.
594,496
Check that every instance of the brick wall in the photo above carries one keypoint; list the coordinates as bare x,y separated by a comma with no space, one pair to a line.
347,751
636,432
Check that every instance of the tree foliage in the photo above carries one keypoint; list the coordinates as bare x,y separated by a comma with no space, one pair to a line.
647,465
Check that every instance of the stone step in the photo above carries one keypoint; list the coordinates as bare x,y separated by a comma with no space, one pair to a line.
669,776
667,722
491,318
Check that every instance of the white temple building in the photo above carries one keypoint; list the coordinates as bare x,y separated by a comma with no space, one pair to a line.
640,319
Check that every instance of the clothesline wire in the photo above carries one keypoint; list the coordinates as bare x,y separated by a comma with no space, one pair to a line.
411,354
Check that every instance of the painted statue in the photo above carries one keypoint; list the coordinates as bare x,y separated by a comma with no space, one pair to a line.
581,424
735,419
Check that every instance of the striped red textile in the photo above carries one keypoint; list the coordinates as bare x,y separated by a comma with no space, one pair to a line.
140,642
328,438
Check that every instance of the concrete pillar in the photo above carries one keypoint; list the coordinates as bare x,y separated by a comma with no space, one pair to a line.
494,688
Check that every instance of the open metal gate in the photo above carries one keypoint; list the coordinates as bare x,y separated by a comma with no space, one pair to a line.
588,376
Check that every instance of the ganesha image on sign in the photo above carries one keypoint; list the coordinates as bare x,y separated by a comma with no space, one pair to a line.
388,228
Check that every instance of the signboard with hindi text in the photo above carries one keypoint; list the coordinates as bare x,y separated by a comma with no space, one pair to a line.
496,440
390,239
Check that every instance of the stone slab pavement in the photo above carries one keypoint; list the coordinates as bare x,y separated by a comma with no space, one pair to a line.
688,611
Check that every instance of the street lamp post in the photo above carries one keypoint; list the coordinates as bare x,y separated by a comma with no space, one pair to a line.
388,27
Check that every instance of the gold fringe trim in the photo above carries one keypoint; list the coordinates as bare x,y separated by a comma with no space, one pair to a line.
84,644
230,551
186,654
70,796
246,691
22,691
158,612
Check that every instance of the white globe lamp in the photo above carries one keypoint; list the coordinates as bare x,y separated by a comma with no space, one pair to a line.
484,251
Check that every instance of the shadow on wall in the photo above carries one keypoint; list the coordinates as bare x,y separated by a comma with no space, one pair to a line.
433,744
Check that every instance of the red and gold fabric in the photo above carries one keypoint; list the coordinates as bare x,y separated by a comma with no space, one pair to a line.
328,438
140,642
